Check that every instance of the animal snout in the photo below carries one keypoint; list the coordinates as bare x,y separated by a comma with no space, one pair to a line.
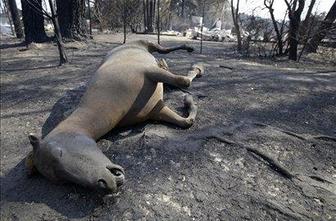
118,174
114,178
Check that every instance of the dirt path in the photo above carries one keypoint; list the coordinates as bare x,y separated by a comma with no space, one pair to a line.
262,148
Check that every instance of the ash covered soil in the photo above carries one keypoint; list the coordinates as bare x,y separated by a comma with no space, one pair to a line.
263,146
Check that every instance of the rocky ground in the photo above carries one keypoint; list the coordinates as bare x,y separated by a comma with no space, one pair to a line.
263,146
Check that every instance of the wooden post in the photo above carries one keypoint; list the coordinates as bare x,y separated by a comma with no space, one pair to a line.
158,20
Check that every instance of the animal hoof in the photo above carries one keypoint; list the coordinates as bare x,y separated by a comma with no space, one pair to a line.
199,67
190,49
189,122
188,100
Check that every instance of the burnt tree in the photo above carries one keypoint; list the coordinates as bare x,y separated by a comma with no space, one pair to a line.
5,10
58,35
322,30
90,20
295,9
269,5
308,14
124,21
235,18
71,18
149,13
33,21
15,18
158,21
306,25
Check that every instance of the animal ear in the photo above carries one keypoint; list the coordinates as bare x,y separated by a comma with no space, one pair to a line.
29,162
34,141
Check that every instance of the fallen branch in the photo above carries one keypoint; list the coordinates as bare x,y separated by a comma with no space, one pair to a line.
301,137
274,164
325,137
320,179
222,139
285,210
293,134
227,67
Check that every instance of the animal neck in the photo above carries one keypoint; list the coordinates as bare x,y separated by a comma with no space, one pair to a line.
71,138
86,122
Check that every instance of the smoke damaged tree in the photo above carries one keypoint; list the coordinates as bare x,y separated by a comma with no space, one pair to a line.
32,4
71,17
321,32
308,14
15,18
58,35
295,9
124,21
269,5
115,14
307,24
33,21
4,9
90,20
149,13
235,18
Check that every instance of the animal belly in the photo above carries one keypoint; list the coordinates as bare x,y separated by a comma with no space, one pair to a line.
145,102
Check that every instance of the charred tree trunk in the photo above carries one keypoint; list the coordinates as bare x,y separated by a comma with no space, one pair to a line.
98,15
235,18
144,5
7,13
203,15
33,21
149,13
124,20
71,18
58,35
183,9
158,20
90,20
305,25
322,30
15,18
310,9
269,6
294,24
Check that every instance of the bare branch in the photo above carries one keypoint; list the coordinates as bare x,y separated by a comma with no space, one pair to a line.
288,4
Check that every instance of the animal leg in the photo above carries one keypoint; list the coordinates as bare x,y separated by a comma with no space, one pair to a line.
154,47
163,113
165,76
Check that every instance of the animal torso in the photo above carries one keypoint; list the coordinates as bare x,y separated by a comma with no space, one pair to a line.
126,89
119,94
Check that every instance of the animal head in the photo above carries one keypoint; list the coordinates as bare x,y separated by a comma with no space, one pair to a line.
74,158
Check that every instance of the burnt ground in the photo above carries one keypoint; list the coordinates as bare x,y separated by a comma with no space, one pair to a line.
263,146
